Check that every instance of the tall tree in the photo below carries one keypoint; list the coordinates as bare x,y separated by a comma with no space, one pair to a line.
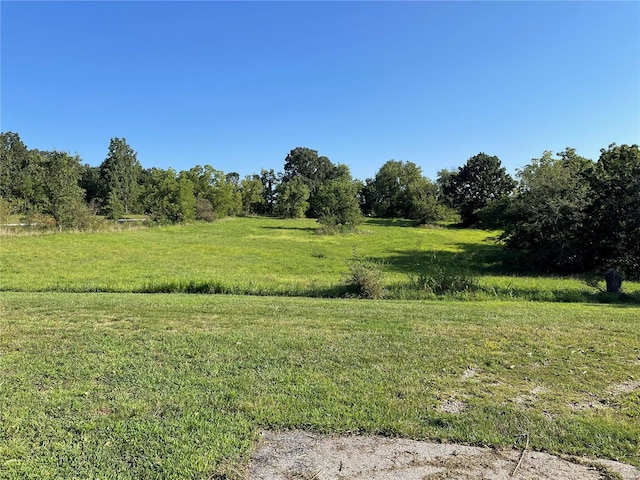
90,183
366,196
270,181
338,205
616,209
547,219
292,198
400,190
65,198
251,189
217,188
305,164
422,202
479,182
169,197
119,173
233,178
22,175
312,170
444,183
14,159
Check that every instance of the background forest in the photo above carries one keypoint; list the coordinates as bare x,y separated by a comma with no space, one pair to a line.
561,214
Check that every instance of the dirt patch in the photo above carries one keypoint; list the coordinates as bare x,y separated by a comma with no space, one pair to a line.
452,406
530,398
624,388
306,456
470,372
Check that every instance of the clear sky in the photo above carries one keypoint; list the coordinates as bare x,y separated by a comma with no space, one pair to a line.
237,85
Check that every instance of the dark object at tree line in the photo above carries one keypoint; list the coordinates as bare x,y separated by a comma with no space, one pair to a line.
614,280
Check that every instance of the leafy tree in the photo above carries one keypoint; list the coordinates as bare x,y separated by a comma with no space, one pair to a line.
22,175
212,185
306,166
293,198
390,188
270,181
339,176
119,173
33,185
615,239
113,209
547,219
423,204
445,187
64,197
479,182
252,190
90,183
14,158
400,190
169,197
233,178
226,199
366,196
338,204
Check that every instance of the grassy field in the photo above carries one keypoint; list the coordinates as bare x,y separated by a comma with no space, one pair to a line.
268,257
122,384
177,386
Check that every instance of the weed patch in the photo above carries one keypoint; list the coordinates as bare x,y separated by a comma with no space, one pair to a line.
440,278
366,278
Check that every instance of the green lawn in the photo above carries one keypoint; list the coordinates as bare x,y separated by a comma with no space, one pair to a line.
177,386
267,257
122,384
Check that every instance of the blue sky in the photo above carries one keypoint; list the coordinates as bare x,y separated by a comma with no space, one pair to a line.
237,85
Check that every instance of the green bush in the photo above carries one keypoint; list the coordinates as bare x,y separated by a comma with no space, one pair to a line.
6,209
331,225
204,210
38,221
366,278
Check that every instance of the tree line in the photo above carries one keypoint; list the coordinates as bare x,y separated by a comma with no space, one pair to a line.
561,214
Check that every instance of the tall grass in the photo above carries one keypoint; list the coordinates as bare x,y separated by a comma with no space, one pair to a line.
265,256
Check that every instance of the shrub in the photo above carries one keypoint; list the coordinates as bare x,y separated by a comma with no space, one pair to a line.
204,210
6,208
331,225
366,278
38,221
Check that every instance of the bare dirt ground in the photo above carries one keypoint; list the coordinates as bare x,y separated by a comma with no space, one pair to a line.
306,456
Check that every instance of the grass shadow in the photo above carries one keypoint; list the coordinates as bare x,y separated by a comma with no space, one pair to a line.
478,259
281,227
390,222
492,259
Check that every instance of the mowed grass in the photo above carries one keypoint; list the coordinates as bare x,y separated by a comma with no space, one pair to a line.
266,256
130,385
178,386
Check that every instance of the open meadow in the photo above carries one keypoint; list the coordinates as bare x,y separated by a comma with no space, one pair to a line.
267,256
100,378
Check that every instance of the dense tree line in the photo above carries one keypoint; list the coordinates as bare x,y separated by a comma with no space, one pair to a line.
562,213
570,214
